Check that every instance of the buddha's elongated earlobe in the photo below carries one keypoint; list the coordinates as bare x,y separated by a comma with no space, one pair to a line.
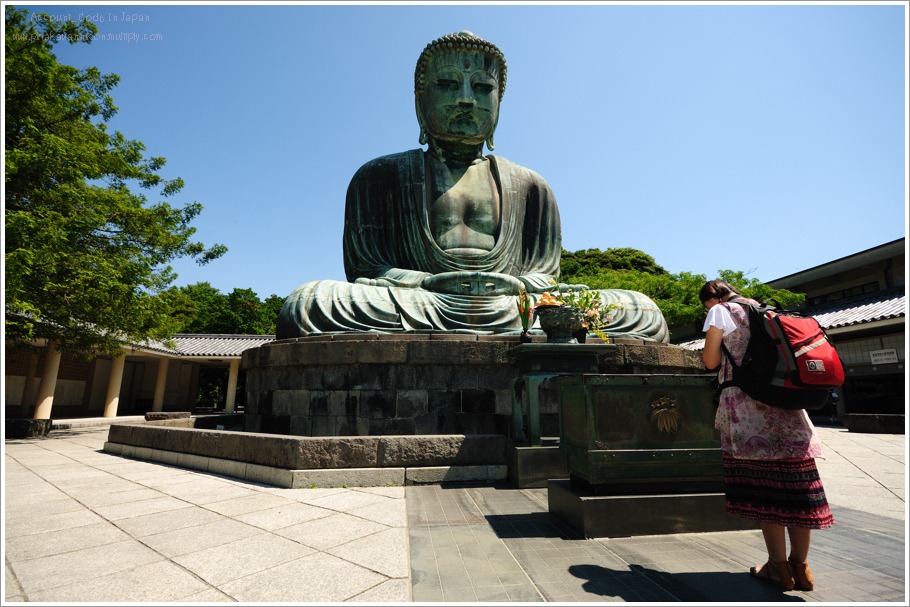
424,137
495,124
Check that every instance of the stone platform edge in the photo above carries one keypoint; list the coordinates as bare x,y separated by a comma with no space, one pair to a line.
303,461
312,479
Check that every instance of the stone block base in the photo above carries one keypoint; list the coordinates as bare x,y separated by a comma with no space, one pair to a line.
534,466
875,423
633,515
302,461
27,428
159,415
376,384
455,474
351,477
313,478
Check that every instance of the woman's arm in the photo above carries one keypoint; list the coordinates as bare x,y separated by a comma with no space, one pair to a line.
711,354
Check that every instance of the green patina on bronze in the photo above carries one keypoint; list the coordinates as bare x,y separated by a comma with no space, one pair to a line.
445,239
463,41
628,433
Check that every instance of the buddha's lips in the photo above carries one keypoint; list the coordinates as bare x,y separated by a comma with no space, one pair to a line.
464,118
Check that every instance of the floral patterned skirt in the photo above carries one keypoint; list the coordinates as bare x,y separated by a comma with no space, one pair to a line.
785,492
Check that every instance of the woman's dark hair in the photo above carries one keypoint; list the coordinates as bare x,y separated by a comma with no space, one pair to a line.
715,288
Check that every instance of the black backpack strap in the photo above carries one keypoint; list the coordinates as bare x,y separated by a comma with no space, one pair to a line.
726,352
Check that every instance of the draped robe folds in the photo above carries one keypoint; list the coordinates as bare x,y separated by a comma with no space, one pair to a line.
389,249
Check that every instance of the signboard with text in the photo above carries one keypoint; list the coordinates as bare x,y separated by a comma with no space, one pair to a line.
881,357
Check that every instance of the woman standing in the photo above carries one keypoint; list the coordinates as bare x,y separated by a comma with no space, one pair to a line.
768,453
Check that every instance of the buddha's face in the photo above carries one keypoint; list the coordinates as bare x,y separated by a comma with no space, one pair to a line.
460,101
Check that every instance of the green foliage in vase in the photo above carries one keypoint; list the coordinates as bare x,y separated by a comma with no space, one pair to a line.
525,310
595,314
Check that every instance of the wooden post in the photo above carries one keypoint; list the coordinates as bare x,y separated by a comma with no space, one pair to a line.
113,386
31,368
232,386
160,384
45,400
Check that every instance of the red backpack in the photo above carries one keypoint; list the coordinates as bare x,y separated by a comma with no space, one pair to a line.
789,362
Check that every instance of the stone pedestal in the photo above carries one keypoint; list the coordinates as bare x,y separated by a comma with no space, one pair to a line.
359,384
594,516
532,466
642,454
355,384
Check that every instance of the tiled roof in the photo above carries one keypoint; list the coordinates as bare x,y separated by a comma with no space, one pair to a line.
870,308
186,344
878,306
219,345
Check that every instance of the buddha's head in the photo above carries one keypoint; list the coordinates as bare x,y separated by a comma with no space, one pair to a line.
458,84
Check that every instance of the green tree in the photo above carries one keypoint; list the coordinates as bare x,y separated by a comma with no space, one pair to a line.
590,262
204,303
86,255
239,312
271,307
675,294
244,312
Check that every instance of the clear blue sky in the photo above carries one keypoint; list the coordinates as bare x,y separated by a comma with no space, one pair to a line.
763,138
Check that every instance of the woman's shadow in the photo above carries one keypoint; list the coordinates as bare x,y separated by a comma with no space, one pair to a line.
640,584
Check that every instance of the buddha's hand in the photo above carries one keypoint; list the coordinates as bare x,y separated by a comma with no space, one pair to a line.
473,283
375,282
395,277
567,287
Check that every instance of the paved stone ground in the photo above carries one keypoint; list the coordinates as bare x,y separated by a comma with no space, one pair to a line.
81,525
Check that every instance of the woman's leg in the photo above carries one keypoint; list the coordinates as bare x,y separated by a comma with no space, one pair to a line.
775,542
799,543
777,569
799,551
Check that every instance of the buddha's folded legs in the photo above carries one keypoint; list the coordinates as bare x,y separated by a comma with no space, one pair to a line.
329,305
332,306
636,315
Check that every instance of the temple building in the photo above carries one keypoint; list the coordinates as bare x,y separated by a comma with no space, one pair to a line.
861,302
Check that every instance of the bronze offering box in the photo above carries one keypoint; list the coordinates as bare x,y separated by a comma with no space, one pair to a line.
640,434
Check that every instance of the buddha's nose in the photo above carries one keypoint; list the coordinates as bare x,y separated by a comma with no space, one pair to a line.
467,94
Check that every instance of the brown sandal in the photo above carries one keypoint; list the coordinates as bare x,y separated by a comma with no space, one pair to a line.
803,578
784,577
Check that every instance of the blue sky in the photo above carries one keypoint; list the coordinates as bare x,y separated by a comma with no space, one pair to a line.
763,138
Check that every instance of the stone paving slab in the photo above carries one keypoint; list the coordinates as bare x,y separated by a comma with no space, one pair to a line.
707,567
861,559
81,525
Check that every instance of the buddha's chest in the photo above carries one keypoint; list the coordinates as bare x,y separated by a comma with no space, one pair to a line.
470,200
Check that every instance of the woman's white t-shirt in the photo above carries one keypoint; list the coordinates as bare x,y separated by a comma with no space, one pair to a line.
719,316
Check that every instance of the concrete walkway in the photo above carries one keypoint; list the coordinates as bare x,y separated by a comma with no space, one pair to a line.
81,525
